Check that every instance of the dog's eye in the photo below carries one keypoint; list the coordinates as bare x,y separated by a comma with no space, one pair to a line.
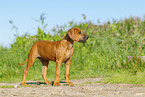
79,33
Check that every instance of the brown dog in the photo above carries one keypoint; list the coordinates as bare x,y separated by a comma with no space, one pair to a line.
59,51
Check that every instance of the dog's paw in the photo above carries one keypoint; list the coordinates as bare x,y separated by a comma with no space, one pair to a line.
24,83
48,83
69,83
56,84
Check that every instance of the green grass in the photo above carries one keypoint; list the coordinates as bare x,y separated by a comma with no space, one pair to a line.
125,77
6,86
103,55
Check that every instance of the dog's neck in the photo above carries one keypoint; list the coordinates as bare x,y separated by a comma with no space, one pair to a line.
69,40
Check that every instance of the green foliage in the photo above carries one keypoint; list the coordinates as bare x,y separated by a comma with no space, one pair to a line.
103,55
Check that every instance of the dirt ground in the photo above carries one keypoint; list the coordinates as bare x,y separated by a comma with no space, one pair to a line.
82,88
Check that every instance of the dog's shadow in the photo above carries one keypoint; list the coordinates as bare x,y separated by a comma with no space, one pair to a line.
42,83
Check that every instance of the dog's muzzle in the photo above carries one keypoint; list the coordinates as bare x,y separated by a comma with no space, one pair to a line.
84,39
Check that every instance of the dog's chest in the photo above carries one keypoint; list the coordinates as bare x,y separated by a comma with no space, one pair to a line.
67,54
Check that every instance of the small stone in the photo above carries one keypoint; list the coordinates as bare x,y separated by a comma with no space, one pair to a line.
15,86
117,92
140,94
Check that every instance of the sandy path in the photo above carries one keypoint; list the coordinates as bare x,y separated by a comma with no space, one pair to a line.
82,88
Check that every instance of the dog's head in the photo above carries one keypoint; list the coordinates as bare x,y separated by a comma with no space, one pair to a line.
77,35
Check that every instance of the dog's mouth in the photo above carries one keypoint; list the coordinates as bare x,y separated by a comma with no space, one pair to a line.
84,39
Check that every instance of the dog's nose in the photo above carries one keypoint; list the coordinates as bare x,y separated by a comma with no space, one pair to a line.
87,37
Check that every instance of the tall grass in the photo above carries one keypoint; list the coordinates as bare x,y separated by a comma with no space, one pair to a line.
103,55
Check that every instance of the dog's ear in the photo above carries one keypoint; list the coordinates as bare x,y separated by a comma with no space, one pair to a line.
71,34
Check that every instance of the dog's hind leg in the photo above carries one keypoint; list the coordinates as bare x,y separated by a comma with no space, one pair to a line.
31,58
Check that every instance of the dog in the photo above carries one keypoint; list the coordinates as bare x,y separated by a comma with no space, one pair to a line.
59,51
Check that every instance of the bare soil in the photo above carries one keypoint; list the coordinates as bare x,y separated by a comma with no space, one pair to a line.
82,88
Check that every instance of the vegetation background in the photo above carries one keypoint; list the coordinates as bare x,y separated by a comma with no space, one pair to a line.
103,55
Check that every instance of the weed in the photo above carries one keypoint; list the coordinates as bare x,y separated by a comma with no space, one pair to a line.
103,55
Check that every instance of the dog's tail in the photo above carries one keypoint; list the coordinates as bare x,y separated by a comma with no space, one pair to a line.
23,62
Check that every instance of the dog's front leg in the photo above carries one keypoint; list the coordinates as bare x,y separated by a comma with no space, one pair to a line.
67,72
57,73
